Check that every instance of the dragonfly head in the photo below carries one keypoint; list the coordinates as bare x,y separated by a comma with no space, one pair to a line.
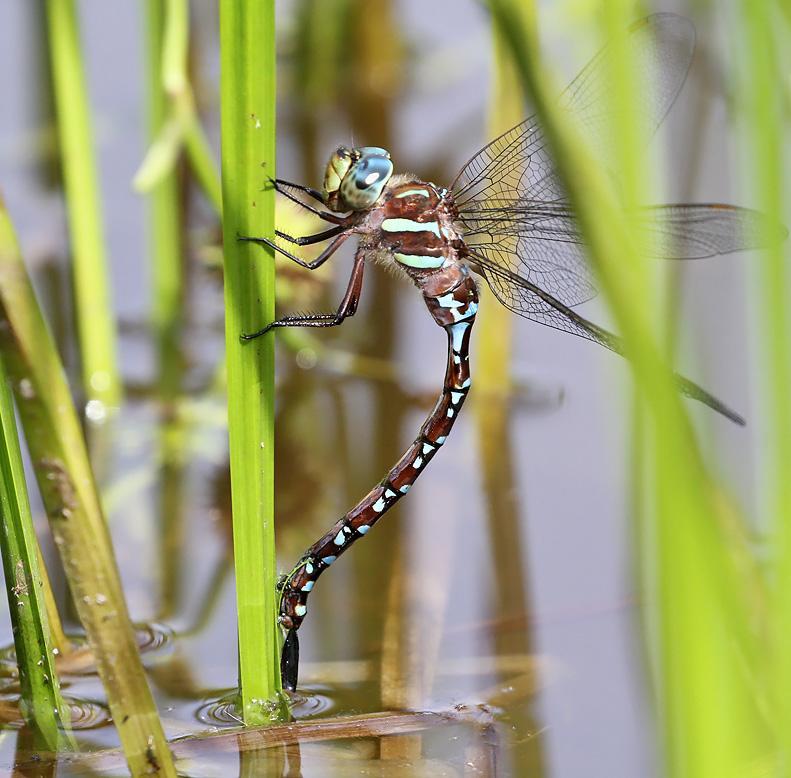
355,178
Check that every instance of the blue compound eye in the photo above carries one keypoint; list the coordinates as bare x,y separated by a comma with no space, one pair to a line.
363,184
369,171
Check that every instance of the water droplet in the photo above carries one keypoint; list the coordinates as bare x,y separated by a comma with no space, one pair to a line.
96,411
307,358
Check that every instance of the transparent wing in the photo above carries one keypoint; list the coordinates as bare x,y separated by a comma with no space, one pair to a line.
516,165
697,231
511,204
530,300
542,244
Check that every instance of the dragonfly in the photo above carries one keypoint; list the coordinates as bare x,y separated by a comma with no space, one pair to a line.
506,218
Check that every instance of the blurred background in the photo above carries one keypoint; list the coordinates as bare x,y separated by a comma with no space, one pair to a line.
505,579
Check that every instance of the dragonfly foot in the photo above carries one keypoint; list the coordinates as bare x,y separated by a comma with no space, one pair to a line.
258,241
244,337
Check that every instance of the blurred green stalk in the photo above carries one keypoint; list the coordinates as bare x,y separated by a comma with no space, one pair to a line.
247,83
707,651
41,703
204,167
165,216
176,121
762,37
495,330
95,320
60,459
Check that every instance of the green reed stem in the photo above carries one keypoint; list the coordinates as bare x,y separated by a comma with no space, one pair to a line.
247,61
41,702
165,215
707,651
762,38
60,459
95,320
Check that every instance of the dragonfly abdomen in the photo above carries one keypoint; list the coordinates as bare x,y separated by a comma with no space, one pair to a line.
452,299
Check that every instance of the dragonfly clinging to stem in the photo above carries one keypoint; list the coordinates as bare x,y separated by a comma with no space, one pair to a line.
507,218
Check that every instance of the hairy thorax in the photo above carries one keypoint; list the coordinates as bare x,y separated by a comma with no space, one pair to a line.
412,230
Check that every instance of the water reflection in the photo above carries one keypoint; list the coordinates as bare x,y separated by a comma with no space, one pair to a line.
511,630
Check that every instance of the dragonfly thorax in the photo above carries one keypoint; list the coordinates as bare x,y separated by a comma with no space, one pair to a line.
355,178
412,229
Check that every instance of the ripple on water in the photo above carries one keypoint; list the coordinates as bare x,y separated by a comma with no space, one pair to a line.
310,701
84,714
87,714
225,712
153,637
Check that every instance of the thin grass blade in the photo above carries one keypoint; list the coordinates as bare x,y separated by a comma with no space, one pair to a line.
166,219
95,320
41,701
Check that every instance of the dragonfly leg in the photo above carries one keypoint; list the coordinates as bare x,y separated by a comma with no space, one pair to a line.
347,307
456,314
308,240
280,183
314,263
282,187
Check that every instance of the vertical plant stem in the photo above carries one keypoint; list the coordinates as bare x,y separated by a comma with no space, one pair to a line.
60,459
761,38
165,216
41,702
507,108
247,60
175,46
95,321
491,398
492,404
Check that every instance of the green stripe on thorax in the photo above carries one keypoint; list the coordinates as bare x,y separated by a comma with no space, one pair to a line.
410,225
419,261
